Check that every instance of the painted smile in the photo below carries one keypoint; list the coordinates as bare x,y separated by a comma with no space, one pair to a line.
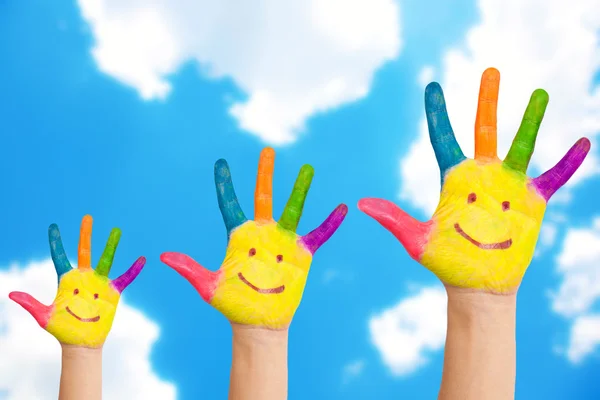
491,246
95,319
278,289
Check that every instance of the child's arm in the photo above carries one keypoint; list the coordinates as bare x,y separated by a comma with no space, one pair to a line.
480,354
259,286
82,313
482,236
259,364
81,374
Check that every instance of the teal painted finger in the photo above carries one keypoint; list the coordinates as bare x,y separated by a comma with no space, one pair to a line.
293,209
447,151
232,213
57,251
108,255
522,147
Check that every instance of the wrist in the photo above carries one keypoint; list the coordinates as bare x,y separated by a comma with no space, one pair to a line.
475,303
259,336
259,363
480,315
81,375
79,352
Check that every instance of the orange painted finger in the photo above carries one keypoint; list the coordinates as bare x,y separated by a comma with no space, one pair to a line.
85,243
263,195
486,122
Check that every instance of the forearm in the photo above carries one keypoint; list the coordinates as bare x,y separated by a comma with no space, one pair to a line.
81,375
480,354
259,365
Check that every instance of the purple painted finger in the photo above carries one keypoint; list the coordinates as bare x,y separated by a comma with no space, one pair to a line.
124,280
323,232
550,181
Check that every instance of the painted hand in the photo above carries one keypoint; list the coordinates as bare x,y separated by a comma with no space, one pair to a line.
483,233
262,278
82,312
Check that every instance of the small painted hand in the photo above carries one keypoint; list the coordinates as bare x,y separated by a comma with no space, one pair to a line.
262,278
483,233
86,301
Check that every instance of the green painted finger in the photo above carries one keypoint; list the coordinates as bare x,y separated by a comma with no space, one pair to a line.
522,146
293,209
108,255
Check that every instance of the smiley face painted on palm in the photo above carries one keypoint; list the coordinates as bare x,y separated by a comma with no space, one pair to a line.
483,233
488,220
262,278
86,300
265,269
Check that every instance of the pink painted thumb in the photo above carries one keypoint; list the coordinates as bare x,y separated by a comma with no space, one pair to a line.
411,233
203,280
40,312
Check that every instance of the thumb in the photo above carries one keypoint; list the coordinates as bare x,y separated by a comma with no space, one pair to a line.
203,280
39,311
413,234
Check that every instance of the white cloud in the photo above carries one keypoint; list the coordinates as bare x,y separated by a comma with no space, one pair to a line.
30,361
427,75
548,234
353,370
547,238
578,264
405,333
538,43
585,337
293,59
579,291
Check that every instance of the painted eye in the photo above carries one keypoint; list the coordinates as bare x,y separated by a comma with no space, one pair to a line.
505,205
472,197
279,258
95,296
76,291
252,252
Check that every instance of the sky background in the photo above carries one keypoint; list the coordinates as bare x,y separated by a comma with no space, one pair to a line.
119,109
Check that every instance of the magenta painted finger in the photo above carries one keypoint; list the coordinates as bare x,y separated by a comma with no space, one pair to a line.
411,233
203,280
323,232
124,280
550,181
39,311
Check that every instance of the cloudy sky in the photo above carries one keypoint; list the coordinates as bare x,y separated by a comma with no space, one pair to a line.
119,108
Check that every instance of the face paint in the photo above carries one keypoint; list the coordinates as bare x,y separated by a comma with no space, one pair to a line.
266,264
86,301
483,233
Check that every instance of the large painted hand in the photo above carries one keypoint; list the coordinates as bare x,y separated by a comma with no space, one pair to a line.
261,280
483,233
86,301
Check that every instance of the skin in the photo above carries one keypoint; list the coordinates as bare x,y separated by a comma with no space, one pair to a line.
482,236
260,283
82,313
81,374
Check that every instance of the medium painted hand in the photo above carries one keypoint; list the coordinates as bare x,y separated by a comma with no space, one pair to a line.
86,301
262,278
483,233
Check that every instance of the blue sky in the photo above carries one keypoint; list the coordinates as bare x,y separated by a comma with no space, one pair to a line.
78,140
